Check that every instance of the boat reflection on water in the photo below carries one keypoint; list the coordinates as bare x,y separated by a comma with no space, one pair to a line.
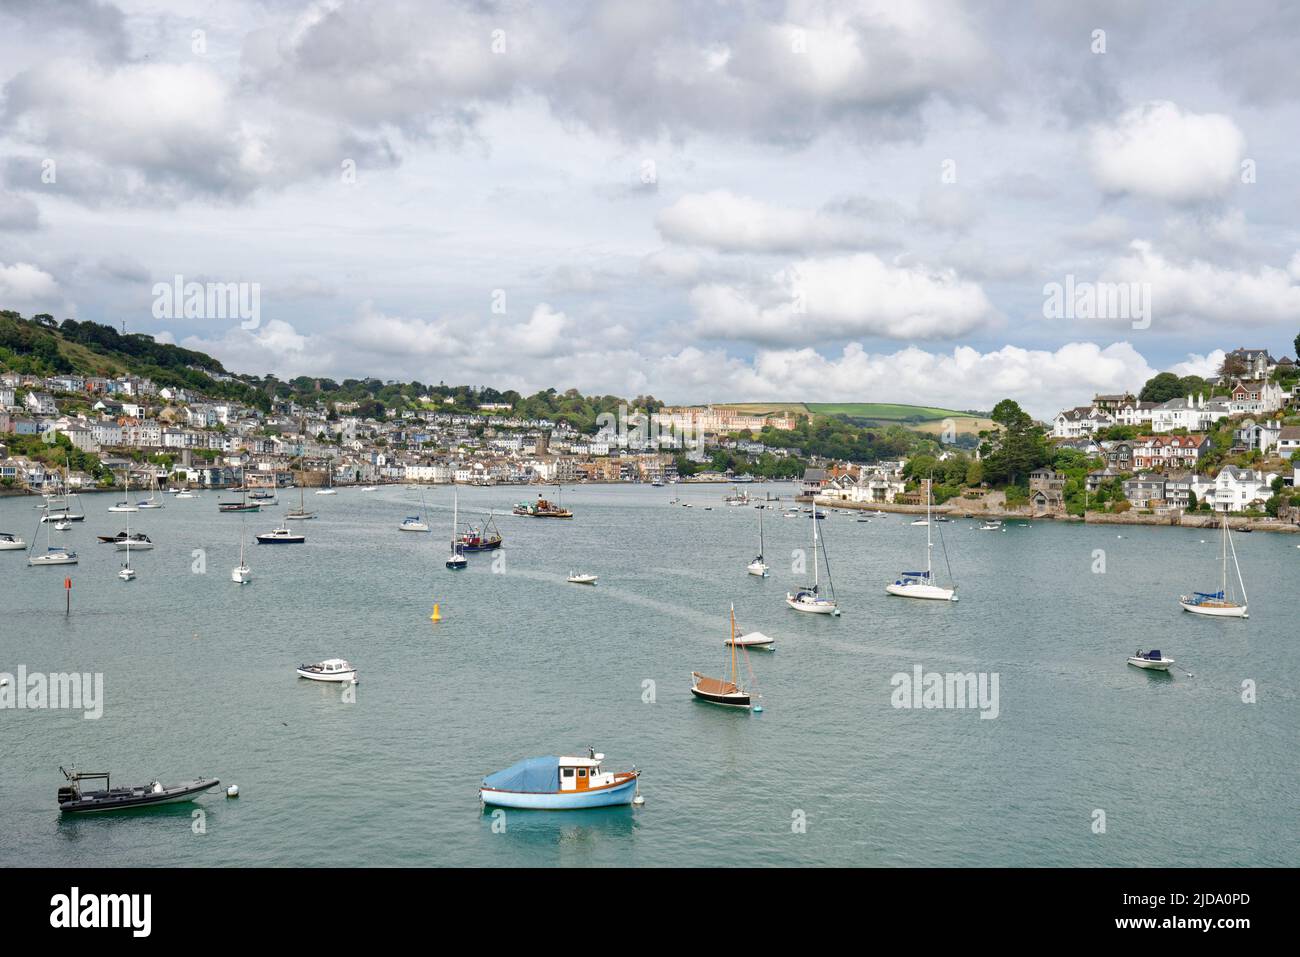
542,829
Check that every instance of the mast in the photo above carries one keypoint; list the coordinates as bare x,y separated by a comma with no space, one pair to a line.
760,533
816,579
733,644
1236,564
1224,583
929,545
455,511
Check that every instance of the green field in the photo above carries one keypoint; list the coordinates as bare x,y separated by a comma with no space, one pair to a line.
885,411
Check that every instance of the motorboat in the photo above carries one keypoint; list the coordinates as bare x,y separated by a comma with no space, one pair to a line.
1151,660
281,536
134,537
9,542
566,783
74,798
576,579
135,542
331,669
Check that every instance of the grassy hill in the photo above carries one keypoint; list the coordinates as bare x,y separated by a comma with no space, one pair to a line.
921,418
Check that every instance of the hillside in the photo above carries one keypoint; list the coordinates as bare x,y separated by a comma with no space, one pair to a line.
920,418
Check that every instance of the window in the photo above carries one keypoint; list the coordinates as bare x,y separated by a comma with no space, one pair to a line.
582,772
567,772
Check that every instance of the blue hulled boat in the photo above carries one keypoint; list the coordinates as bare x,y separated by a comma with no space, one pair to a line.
559,784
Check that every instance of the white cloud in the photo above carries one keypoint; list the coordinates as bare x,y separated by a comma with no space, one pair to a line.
1202,290
730,223
1160,150
25,283
840,297
1203,366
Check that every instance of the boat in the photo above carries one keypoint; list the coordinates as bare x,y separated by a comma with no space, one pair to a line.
331,669
722,691
577,579
300,514
758,567
73,798
370,488
9,542
122,537
457,559
790,513
991,525
262,495
125,505
281,535
565,783
1151,660
922,584
736,498
755,639
810,598
53,555
243,505
329,488
137,542
412,523
185,494
921,522
62,525
127,573
151,501
1222,603
542,509
475,539
241,574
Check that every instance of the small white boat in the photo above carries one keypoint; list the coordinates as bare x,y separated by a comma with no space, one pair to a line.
758,567
370,488
755,639
1222,603
62,526
921,584
184,494
790,513
123,507
412,523
810,598
921,522
1151,660
991,525
331,669
54,555
241,574
575,579
281,536
457,560
9,542
327,491
127,573
134,543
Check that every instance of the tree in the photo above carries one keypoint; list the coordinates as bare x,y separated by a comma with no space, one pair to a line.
1016,449
1297,346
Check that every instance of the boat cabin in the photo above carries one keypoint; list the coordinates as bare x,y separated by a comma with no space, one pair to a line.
583,774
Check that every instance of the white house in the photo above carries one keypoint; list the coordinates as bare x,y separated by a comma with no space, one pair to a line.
1236,489
1195,414
1080,421
1288,441
1256,397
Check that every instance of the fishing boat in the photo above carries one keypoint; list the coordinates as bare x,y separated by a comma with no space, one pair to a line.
74,798
412,523
9,542
810,598
1222,603
580,579
1151,660
758,567
922,584
338,670
722,691
241,574
281,535
566,783
542,509
476,539
457,559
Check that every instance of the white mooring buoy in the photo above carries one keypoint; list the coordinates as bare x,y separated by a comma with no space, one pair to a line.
232,791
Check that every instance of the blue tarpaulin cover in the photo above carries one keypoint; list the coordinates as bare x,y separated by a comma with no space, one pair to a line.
917,574
532,775
1209,594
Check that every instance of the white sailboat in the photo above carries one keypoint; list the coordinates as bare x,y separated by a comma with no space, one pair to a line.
457,558
329,488
127,573
810,599
241,574
54,554
758,567
921,584
125,505
1223,603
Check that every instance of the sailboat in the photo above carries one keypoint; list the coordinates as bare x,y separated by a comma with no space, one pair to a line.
152,501
414,523
718,690
457,560
54,554
127,573
758,566
241,574
300,513
921,584
329,488
810,598
1222,603
125,505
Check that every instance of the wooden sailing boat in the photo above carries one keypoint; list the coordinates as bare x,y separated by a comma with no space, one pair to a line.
921,584
1222,603
718,690
810,598
758,566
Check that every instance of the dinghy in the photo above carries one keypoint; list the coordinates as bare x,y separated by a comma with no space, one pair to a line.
728,693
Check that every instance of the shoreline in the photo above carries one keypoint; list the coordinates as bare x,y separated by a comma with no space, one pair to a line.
1175,519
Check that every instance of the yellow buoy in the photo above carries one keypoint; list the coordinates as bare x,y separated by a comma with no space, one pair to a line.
437,615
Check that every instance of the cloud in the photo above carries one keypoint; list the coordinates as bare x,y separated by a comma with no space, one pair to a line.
18,212
25,283
1203,366
840,297
1161,151
730,223
1204,291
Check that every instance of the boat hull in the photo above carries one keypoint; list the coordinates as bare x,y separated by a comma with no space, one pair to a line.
52,560
812,607
617,794
1149,665
1215,611
332,677
933,592
757,569
126,799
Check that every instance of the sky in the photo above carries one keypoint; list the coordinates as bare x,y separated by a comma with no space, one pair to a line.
703,201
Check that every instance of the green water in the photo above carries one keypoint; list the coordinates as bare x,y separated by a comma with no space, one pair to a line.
199,679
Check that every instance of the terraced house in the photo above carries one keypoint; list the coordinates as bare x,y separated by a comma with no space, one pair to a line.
1166,452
